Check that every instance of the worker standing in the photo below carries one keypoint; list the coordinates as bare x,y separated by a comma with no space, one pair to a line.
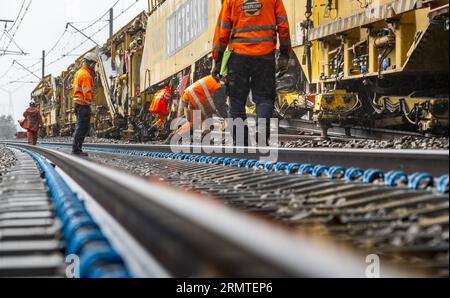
249,28
32,122
83,97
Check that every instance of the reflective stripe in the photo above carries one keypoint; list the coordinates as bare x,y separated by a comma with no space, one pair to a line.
254,29
208,95
197,100
282,20
83,100
224,25
219,48
254,40
82,89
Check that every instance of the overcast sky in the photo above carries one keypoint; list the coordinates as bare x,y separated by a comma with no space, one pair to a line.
42,25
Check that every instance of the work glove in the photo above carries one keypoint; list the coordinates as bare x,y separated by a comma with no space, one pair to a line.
283,65
93,108
216,70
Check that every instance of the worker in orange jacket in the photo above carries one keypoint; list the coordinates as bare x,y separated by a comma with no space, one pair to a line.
32,122
208,96
83,97
160,104
250,28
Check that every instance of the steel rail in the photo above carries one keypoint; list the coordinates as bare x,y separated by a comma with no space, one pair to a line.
355,131
192,237
435,162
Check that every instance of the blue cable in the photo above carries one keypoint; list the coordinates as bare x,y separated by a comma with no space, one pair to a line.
371,175
268,166
305,169
417,180
293,167
77,223
443,184
353,174
281,166
393,178
319,170
333,171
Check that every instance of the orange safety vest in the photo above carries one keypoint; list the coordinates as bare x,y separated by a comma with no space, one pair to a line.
83,87
250,27
200,95
161,101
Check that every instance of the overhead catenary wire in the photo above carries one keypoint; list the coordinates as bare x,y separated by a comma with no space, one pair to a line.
92,35
74,49
101,17
13,35
7,71
14,22
18,15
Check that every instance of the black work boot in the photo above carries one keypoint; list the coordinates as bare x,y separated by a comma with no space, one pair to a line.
80,153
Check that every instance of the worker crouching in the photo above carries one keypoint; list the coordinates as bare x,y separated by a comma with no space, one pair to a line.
32,122
159,107
208,97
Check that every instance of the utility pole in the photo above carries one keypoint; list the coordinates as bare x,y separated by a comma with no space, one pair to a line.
6,22
10,109
43,65
111,22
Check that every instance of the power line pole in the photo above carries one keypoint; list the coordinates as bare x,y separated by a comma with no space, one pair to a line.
10,109
43,65
111,22
6,22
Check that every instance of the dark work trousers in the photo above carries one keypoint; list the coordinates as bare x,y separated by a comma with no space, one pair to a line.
83,114
255,73
32,137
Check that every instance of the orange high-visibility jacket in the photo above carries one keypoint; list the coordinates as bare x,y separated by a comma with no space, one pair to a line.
83,87
250,27
161,102
200,95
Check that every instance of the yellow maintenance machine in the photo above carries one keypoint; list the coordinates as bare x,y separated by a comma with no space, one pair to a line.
375,63
119,72
47,96
378,63
390,56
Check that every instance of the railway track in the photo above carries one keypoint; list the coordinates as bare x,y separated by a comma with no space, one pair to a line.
122,226
293,126
409,227
434,162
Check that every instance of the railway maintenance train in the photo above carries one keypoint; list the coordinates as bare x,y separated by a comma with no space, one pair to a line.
370,63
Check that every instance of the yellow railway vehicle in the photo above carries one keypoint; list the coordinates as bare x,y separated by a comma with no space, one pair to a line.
379,63
67,115
119,72
47,95
392,55
117,86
